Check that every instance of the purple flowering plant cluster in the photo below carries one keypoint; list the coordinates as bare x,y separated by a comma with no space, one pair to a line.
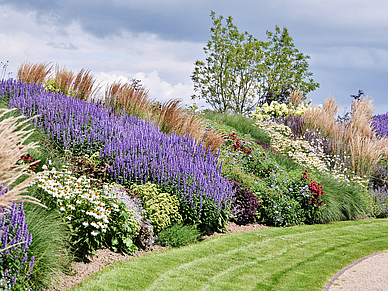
16,264
380,124
136,150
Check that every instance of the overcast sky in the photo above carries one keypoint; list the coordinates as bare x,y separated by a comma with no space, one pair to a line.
158,41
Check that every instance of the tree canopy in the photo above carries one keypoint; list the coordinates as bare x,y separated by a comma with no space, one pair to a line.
241,72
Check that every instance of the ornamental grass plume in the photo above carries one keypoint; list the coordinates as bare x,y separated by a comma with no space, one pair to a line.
356,136
214,140
322,118
171,116
84,85
172,119
34,73
296,97
64,80
130,98
12,147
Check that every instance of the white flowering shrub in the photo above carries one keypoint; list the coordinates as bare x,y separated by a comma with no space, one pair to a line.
95,216
276,110
297,149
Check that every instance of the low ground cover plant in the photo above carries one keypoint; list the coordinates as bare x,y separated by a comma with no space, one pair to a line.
162,208
179,235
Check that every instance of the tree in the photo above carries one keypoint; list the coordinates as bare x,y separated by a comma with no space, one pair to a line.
228,79
285,68
241,72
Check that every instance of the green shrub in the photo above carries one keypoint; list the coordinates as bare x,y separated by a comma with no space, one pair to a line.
179,235
162,208
291,198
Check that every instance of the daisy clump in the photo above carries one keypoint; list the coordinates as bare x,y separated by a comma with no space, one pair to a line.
95,216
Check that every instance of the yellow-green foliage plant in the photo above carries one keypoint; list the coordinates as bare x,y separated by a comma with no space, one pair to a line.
162,208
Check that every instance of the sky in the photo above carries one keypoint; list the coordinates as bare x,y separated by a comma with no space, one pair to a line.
158,41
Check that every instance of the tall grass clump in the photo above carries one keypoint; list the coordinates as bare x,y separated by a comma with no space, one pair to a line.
81,85
129,98
16,260
345,201
34,73
12,147
50,244
173,119
355,137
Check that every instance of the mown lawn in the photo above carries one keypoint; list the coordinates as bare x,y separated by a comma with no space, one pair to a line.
294,258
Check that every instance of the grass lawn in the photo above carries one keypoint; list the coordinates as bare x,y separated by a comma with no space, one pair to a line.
295,258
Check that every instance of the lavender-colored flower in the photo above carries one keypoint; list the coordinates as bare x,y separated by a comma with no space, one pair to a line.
14,242
137,151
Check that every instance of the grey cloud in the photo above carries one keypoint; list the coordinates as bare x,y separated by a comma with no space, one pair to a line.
108,18
62,45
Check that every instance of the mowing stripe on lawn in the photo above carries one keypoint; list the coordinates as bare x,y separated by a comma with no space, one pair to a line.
296,258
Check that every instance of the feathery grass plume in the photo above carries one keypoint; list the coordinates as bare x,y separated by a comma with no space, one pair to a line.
64,80
296,97
323,120
12,147
362,113
34,73
366,148
356,136
214,140
84,85
129,98
171,116
192,125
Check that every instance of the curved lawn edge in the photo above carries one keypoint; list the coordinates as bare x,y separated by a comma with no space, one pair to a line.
296,258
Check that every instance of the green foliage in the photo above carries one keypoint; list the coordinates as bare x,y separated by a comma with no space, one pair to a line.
227,81
55,86
122,230
162,208
290,198
344,200
179,235
235,122
241,72
50,244
285,68
278,209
